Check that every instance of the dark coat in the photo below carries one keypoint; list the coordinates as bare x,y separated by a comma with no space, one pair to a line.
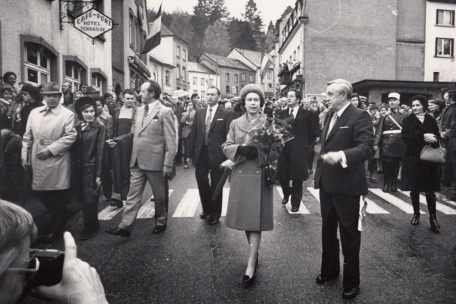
11,173
217,136
390,145
25,113
87,156
353,134
417,175
293,162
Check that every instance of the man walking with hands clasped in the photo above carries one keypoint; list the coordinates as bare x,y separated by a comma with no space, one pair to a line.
209,130
152,158
346,142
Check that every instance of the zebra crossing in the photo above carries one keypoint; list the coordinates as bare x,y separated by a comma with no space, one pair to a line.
189,205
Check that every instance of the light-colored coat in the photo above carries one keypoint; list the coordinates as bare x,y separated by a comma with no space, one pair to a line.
55,131
155,139
250,201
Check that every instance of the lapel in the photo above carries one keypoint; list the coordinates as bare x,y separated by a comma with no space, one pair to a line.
153,111
326,127
217,114
340,121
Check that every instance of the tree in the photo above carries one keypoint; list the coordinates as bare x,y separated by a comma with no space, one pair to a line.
270,39
216,39
241,35
251,15
218,11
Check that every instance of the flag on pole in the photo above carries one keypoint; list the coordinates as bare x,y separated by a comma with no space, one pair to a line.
154,37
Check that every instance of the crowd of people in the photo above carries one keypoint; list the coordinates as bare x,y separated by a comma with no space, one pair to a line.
77,146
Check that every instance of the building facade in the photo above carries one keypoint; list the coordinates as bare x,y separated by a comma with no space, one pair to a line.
174,51
355,40
234,75
40,46
129,66
254,60
158,71
201,78
440,64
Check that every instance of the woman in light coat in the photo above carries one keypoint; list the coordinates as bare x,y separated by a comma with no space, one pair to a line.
49,135
250,201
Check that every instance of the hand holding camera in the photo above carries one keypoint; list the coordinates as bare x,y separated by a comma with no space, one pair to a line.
80,283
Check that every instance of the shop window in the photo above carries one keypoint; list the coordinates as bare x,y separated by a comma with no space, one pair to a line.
444,47
37,64
99,82
167,77
75,74
445,17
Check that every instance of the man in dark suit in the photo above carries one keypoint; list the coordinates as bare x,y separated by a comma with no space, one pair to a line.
346,142
293,162
208,133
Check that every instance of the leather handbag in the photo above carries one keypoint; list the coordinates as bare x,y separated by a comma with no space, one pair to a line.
435,155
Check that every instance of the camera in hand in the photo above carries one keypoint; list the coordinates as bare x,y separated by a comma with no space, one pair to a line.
50,267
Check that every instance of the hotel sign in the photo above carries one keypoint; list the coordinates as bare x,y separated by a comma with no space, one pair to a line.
93,23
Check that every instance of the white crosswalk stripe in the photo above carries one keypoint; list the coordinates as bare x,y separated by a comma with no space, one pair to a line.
397,202
148,209
440,207
188,205
302,209
108,213
372,208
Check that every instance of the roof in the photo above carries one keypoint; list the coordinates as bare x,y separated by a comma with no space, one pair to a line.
227,62
198,68
160,61
166,32
443,1
370,83
253,56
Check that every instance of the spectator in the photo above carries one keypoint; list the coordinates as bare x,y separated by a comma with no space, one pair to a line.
448,134
5,107
49,135
67,95
13,183
76,95
9,81
17,266
83,87
436,107
420,129
187,122
87,157
32,99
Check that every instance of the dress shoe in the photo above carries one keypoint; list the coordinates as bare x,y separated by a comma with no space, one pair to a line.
159,229
115,203
285,201
435,227
294,209
213,221
247,281
350,293
386,187
118,231
203,215
323,279
415,219
185,166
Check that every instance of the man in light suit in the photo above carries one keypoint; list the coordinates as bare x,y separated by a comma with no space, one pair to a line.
346,142
209,130
152,158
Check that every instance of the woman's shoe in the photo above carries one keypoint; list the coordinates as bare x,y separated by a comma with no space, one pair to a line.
435,227
247,281
415,219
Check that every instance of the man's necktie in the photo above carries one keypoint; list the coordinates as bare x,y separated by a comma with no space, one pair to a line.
208,125
291,114
332,123
146,112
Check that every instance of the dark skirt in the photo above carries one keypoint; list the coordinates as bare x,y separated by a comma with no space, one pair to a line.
418,175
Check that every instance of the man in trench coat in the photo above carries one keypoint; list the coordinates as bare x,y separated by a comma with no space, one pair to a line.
293,162
49,135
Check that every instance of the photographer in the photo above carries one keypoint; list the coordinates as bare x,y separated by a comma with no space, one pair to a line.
80,283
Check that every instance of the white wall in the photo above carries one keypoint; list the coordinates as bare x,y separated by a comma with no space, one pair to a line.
41,19
198,87
291,46
445,66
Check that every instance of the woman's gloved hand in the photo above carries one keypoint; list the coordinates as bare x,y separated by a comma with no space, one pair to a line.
250,152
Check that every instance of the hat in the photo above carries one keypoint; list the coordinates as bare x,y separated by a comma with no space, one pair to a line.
249,88
394,95
92,89
50,88
83,103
